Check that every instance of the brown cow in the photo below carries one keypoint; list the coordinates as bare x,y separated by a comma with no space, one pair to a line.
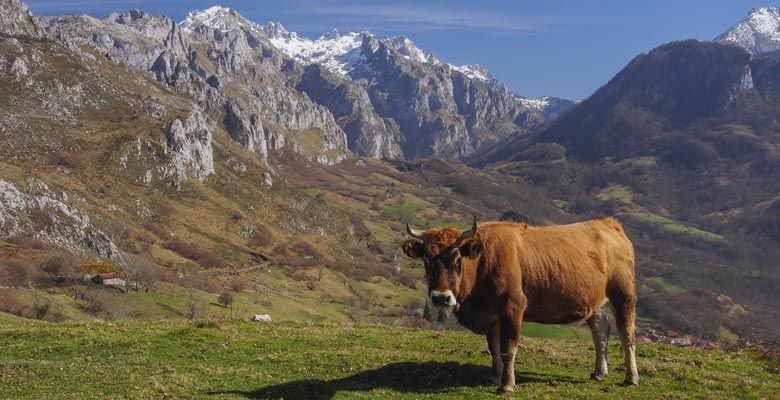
503,273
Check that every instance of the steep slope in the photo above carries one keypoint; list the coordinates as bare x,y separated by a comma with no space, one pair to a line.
229,67
683,144
758,33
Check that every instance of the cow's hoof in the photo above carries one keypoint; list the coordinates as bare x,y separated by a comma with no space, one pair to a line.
631,382
496,379
597,376
505,389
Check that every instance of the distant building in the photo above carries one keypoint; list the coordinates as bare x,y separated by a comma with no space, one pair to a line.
109,279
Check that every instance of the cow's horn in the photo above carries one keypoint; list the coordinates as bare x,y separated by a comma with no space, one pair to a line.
415,233
469,233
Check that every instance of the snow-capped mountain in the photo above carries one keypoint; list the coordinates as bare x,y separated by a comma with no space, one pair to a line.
218,18
758,33
340,53
376,96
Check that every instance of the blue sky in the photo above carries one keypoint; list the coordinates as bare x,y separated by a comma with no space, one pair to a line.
546,47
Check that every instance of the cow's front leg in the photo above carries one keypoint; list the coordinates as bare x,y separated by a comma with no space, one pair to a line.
510,338
494,346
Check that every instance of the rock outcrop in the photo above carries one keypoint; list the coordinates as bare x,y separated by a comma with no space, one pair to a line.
228,65
16,20
190,145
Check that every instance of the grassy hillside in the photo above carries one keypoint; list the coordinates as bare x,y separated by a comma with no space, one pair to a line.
310,360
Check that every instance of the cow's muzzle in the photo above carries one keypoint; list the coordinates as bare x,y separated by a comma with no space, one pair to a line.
443,299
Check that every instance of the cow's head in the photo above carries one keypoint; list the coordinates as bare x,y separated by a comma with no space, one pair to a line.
442,251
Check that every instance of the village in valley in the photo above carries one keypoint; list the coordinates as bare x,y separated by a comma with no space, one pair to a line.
673,337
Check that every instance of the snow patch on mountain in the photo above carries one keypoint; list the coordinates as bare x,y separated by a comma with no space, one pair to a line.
219,18
758,33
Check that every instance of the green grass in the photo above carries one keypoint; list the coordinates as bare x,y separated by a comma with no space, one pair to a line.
405,209
239,360
675,226
617,192
666,286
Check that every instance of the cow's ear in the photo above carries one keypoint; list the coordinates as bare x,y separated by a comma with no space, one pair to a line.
413,248
471,249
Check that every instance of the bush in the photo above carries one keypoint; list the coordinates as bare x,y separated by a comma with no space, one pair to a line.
16,273
60,270
67,160
261,237
10,304
237,285
158,230
225,298
360,228
307,250
192,251
104,304
26,242
117,230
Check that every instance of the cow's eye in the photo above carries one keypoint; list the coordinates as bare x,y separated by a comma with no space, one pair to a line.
456,264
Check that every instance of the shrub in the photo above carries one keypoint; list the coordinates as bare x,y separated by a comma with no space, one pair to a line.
16,273
237,285
158,230
261,237
360,228
117,230
170,276
26,242
145,237
60,269
307,250
225,298
10,304
192,251
105,305
67,160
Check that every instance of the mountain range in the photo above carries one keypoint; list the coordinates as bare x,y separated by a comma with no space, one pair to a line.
353,93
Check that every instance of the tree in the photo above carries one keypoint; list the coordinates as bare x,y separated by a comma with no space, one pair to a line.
237,285
193,283
226,299
141,272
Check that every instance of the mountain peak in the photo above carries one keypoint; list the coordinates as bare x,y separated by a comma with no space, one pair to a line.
15,20
218,18
758,33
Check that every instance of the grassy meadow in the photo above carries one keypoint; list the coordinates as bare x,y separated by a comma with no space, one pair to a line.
305,360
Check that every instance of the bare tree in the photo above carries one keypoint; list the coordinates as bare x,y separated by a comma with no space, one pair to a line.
193,283
142,272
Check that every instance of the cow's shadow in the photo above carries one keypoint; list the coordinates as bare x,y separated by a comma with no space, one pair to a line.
406,377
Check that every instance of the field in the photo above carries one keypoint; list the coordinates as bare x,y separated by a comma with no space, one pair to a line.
298,360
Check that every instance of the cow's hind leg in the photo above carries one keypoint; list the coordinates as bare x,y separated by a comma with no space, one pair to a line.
624,305
494,345
599,328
